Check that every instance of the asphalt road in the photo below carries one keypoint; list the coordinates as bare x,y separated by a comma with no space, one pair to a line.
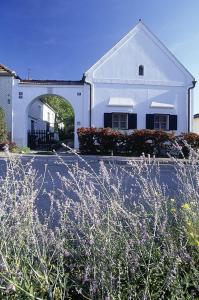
49,168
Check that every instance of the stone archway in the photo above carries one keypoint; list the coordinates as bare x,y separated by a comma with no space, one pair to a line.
50,121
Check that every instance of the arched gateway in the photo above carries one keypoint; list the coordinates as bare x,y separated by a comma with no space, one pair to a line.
74,92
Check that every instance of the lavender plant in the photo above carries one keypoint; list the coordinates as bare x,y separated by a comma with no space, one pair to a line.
118,235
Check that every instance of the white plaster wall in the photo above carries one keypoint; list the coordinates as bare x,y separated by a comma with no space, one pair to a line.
124,63
38,112
139,47
191,109
5,97
35,111
116,74
142,97
46,111
31,92
196,125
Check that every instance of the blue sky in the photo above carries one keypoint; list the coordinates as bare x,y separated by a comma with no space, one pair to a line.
61,39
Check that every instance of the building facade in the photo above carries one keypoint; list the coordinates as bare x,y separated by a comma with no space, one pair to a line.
138,84
41,116
196,123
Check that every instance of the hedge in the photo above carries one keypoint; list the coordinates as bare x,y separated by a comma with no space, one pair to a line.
153,142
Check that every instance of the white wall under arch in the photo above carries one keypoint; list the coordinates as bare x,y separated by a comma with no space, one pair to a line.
76,95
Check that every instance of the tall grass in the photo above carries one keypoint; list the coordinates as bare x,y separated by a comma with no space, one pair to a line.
110,241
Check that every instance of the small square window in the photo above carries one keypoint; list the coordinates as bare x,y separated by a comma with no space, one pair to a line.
79,94
20,95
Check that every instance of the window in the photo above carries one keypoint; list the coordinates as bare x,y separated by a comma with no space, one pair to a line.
120,121
32,125
39,111
161,122
20,95
48,117
8,98
141,70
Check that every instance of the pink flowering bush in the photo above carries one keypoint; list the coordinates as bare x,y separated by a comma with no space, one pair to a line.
107,140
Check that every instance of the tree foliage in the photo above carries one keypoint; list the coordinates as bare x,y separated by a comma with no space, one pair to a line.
64,111
3,130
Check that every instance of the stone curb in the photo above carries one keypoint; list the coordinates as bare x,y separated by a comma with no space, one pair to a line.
94,159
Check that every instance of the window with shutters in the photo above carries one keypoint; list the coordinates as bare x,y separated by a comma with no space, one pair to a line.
161,122
120,121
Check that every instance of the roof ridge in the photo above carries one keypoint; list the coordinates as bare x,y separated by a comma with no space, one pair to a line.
10,72
51,81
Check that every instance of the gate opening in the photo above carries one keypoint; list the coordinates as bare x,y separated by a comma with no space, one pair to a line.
50,123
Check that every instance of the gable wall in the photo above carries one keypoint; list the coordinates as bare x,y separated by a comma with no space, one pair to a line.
116,74
140,50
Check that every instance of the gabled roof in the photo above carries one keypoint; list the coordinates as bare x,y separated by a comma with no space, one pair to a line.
4,71
140,26
45,103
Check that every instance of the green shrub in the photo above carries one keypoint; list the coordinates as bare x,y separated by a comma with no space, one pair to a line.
12,147
3,131
24,149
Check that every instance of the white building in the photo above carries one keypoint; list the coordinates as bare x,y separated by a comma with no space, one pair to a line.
196,123
137,84
7,79
41,116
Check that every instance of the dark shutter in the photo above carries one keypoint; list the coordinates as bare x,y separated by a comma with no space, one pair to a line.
107,120
132,121
149,121
173,122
